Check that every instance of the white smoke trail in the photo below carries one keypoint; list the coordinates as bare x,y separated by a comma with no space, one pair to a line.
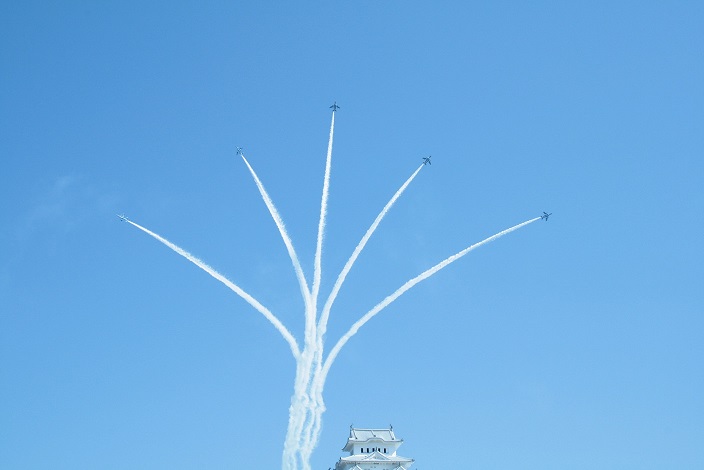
307,405
322,324
300,403
303,364
301,407
323,212
234,287
284,235
317,380
311,334
383,304
318,408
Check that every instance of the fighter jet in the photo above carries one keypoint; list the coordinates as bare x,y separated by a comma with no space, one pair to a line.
545,216
123,217
334,106
426,160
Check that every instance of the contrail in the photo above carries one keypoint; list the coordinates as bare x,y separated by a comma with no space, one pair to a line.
323,212
308,430
300,402
284,235
300,422
322,324
234,287
318,379
303,363
383,304
312,367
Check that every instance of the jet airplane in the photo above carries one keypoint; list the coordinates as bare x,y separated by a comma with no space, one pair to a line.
426,160
334,106
239,150
123,217
545,216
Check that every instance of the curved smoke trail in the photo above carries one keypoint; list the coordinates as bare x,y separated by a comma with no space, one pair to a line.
234,287
307,405
323,322
384,303
284,235
304,359
312,336
314,428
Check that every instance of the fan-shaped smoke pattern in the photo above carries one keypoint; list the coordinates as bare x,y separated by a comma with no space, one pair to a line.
312,367
234,287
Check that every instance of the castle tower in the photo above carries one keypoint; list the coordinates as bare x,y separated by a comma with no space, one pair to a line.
373,449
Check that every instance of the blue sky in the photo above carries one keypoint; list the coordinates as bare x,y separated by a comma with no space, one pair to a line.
572,344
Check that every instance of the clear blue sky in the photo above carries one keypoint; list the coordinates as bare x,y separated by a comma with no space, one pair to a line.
575,343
